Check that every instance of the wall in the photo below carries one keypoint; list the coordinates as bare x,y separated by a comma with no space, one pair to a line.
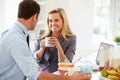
81,21
2,10
52,4
11,12
2,14
8,13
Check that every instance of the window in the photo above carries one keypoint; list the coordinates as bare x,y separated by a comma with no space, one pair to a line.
119,17
115,17
102,29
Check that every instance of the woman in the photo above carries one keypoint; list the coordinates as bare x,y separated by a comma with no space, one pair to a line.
62,38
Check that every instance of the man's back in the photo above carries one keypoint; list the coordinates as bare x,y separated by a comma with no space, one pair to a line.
8,65
15,54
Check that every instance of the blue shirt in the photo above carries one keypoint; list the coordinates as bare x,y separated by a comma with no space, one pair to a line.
16,61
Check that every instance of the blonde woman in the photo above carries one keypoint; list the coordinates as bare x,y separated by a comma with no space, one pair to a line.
61,37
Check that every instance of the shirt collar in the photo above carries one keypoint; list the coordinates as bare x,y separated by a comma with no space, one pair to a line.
22,28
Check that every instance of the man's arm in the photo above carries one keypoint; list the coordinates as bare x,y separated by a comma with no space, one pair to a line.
75,76
49,76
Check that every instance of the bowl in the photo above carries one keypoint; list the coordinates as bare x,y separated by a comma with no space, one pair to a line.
63,64
65,68
63,71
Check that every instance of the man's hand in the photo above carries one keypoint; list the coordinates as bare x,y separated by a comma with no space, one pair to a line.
81,76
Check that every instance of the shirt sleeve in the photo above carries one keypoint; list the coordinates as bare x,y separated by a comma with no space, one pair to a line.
70,52
21,53
36,47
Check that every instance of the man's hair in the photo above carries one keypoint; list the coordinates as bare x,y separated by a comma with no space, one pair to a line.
27,8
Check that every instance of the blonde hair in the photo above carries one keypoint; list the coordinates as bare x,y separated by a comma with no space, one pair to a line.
66,31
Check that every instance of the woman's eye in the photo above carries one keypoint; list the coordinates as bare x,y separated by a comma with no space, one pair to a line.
56,20
50,20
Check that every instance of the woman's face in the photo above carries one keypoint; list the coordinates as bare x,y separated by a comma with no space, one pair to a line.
55,22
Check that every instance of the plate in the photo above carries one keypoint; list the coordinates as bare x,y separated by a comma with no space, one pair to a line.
101,77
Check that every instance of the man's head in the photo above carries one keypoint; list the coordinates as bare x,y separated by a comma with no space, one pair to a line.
29,10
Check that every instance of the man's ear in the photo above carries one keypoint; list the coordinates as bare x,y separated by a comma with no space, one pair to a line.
35,16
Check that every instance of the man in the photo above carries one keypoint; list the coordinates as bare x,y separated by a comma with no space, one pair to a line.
16,61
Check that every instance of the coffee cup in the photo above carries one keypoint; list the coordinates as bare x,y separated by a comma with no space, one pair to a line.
47,39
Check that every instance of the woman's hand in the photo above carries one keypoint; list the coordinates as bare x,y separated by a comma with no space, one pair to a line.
42,43
40,52
53,41
81,76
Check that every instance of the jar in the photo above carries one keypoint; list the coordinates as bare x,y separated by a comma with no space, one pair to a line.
116,56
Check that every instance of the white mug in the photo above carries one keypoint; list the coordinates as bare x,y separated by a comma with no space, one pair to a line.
47,43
